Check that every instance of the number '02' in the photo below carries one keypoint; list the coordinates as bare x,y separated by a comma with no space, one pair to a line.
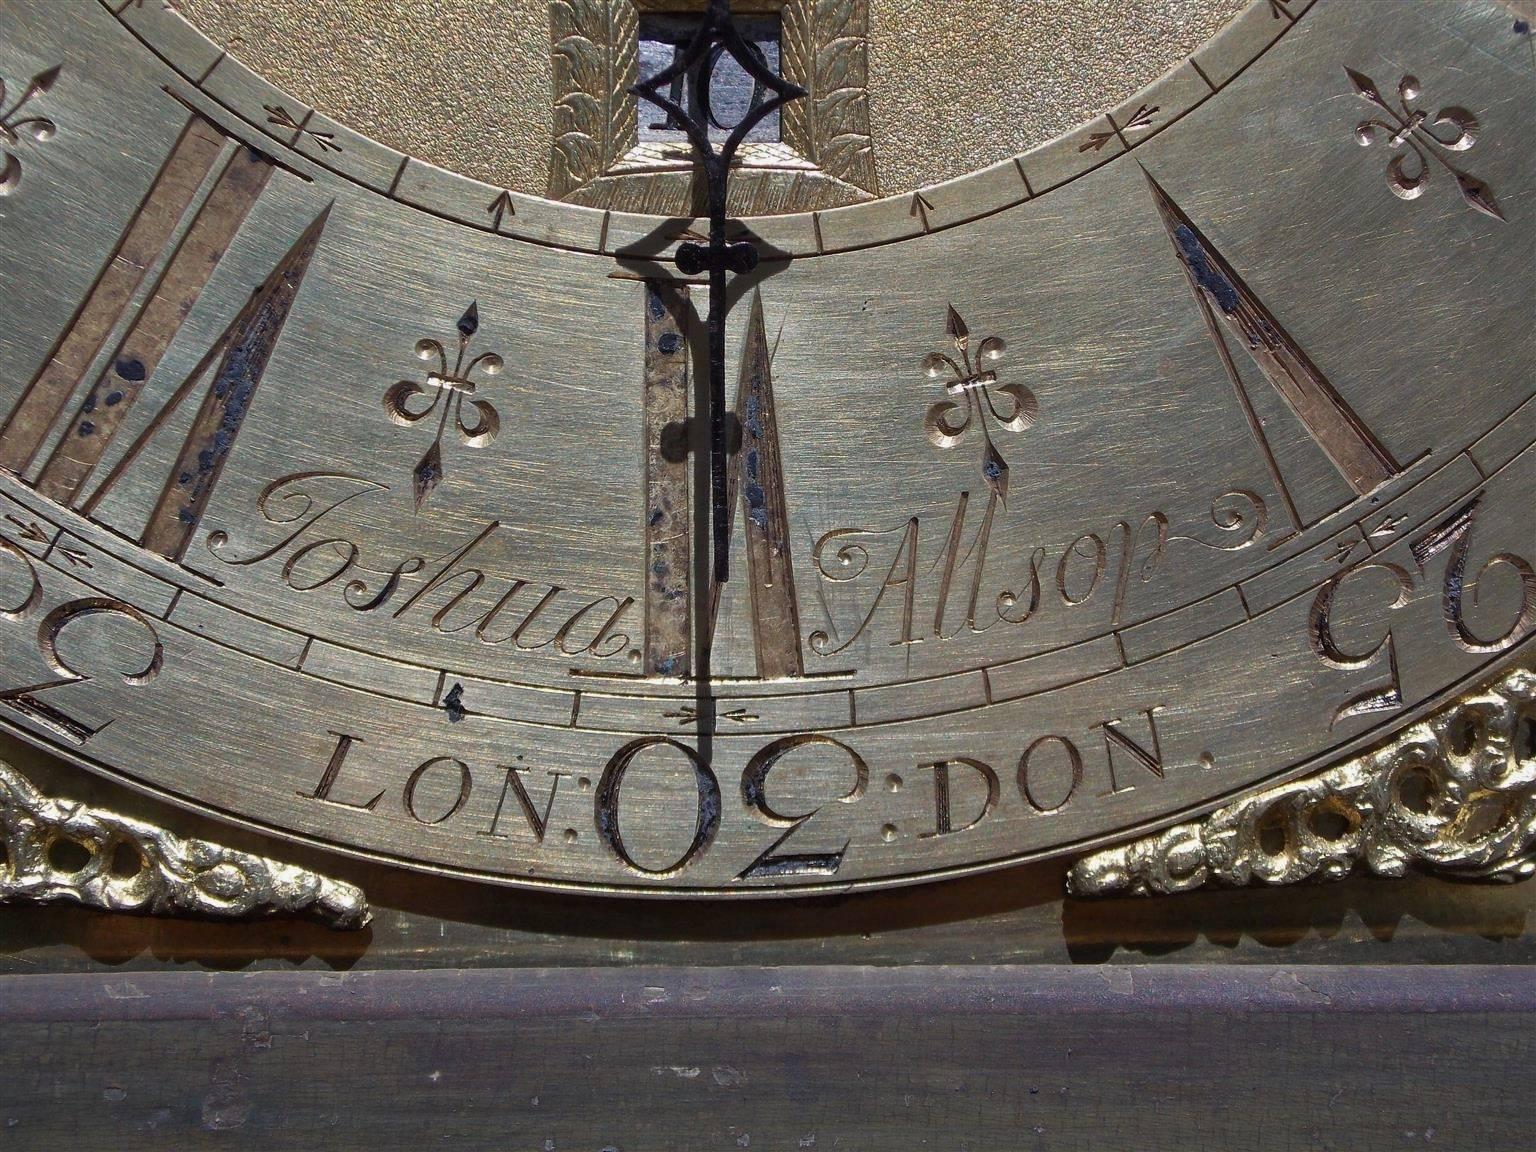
706,814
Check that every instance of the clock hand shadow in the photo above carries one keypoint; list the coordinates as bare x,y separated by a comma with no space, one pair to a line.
654,257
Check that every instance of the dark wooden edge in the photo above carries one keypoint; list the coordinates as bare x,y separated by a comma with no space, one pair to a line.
778,993
964,1059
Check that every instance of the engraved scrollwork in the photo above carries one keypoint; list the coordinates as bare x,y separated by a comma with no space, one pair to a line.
448,388
1240,515
1453,795
975,382
14,125
61,850
1409,132
851,557
823,156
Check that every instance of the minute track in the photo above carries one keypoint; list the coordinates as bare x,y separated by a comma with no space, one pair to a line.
1176,577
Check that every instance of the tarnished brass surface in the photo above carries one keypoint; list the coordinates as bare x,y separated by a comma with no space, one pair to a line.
1015,916
466,85
354,501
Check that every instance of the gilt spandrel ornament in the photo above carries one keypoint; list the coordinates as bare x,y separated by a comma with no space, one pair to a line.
57,850
1008,517
1453,796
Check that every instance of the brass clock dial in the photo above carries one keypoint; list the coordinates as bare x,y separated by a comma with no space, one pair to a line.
366,503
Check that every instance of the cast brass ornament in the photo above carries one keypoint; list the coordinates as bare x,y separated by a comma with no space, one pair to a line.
739,520
823,158
63,851
1453,795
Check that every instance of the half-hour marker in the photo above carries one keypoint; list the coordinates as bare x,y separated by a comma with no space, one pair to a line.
1226,302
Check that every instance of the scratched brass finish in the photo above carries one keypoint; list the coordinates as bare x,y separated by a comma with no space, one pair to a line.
357,502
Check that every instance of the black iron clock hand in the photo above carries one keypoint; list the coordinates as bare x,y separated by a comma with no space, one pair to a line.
716,34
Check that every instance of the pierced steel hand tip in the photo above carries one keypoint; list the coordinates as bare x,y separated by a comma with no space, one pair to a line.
717,35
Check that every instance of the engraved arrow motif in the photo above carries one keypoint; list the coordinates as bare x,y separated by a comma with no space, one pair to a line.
1097,140
1144,117
1343,550
688,714
279,117
76,558
1388,526
500,207
32,531
920,208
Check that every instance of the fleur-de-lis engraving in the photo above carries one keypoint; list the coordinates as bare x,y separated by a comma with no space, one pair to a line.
1410,133
974,381
13,125
448,388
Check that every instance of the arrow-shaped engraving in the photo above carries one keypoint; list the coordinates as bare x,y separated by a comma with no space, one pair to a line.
1097,140
500,207
76,558
1387,527
1343,550
920,209
29,531
1144,117
688,714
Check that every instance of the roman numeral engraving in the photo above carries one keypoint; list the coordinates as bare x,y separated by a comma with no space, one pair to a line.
1226,302
101,412
248,343
668,551
756,481
241,352
140,247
